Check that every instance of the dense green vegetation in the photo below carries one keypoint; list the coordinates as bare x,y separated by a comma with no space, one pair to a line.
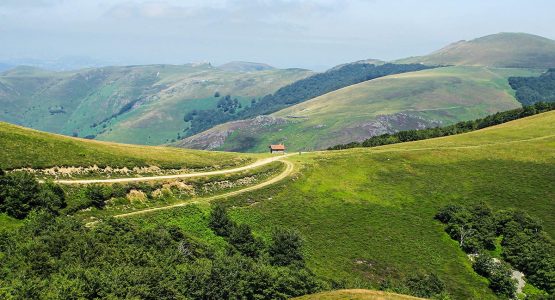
524,244
59,258
22,147
461,127
530,90
20,193
297,92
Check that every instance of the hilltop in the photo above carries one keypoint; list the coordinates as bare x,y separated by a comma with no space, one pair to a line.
245,66
412,100
24,147
133,104
508,50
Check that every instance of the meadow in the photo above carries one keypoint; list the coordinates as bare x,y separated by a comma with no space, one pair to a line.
367,215
23,147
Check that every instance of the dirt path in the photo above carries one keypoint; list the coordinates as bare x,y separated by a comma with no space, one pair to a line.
288,170
256,164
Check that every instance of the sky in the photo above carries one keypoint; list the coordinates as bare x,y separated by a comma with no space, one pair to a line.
313,34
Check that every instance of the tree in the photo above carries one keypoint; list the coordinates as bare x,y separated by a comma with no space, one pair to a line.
425,285
242,239
501,281
220,221
285,248
19,193
97,195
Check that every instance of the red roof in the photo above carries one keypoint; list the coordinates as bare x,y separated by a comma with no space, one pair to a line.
277,147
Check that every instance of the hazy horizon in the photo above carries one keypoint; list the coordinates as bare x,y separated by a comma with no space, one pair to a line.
282,33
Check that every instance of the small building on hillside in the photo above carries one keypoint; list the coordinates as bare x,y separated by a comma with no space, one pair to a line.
280,148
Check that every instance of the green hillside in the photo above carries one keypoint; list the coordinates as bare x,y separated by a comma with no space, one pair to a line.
368,214
511,50
398,102
136,104
23,147
366,218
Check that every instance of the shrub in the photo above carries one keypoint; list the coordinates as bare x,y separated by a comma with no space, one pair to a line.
97,195
20,193
242,239
425,285
220,221
285,248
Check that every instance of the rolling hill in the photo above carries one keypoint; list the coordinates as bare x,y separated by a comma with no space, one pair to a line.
398,102
508,50
476,84
23,147
368,214
135,104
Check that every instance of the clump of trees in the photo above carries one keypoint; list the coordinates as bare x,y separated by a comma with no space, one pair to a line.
226,110
21,193
285,248
498,272
461,127
524,243
530,90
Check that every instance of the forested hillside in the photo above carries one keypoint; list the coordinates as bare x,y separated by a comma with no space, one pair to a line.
530,90
300,91
413,100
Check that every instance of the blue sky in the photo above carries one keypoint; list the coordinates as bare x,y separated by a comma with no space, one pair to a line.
284,33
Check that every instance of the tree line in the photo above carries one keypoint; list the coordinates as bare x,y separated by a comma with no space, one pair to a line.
524,244
297,92
530,90
461,127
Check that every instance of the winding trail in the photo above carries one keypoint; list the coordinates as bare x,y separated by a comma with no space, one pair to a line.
288,170
256,164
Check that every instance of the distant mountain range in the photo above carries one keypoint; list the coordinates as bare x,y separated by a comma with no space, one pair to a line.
160,104
475,84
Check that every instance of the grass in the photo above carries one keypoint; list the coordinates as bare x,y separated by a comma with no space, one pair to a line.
355,295
367,214
438,96
23,147
8,223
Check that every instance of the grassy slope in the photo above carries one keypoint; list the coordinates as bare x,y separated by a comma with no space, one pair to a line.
23,147
368,213
448,95
498,50
356,295
28,96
